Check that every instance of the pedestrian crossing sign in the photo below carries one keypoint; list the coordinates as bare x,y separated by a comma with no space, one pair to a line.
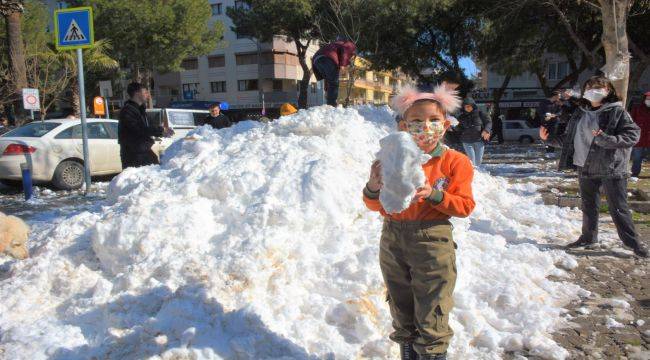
73,28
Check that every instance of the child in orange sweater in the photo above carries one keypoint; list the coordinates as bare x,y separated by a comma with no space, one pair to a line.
417,251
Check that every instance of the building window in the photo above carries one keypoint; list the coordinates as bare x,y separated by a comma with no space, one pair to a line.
193,87
216,9
558,71
190,64
246,59
247,85
216,61
277,85
239,4
218,86
314,87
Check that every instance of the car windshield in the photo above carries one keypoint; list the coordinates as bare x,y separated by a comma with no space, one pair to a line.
34,130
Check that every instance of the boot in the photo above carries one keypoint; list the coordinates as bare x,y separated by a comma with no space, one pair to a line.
582,242
407,352
433,357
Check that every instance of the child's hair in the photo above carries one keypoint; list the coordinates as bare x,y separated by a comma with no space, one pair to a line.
448,100
599,82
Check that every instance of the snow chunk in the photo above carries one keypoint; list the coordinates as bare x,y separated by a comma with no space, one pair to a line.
612,323
401,171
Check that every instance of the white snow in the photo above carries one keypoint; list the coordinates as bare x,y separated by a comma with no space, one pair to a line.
401,171
253,243
612,323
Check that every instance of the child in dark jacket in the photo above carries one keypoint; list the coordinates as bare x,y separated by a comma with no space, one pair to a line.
597,142
417,251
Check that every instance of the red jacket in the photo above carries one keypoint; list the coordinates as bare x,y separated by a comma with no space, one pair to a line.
641,116
339,51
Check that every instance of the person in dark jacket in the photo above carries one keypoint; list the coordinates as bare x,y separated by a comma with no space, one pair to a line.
327,64
598,142
475,127
216,119
641,116
135,134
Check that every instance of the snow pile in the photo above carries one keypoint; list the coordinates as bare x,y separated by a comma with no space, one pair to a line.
253,243
401,171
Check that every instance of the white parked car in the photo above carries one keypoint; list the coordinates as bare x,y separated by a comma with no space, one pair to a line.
54,150
518,130
182,121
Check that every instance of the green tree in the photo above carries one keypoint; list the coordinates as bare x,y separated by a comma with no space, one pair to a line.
156,35
294,19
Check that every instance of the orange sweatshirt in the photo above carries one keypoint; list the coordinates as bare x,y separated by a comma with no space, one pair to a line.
450,175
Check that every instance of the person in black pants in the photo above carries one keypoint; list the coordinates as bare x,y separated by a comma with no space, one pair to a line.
598,142
135,134
216,119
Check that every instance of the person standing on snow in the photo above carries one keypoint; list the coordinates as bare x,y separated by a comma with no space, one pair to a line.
216,119
475,128
327,64
641,116
598,142
417,252
135,134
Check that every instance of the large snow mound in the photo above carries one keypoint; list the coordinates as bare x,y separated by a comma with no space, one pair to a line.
401,170
253,243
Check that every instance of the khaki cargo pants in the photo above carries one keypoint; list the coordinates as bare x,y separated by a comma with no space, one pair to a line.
418,261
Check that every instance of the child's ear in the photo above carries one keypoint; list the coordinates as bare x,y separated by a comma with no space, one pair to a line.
447,124
401,125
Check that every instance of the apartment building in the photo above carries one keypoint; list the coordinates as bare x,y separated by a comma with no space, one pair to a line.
524,92
241,72
371,87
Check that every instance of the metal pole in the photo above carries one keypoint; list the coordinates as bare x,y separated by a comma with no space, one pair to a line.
84,126
32,113
106,105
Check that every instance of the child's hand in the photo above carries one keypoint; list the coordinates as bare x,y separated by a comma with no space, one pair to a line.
597,133
423,193
374,183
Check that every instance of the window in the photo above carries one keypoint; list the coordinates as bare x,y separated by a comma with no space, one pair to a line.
190,64
277,85
35,129
218,87
95,131
239,4
247,85
181,118
193,87
246,59
112,129
558,71
216,9
216,61
314,87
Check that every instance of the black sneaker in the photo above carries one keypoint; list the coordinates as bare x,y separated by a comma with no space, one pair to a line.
640,251
582,242
407,352
433,357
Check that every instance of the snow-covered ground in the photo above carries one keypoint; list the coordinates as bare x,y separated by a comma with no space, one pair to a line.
253,243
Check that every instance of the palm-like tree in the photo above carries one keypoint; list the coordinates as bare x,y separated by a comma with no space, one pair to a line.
12,11
96,59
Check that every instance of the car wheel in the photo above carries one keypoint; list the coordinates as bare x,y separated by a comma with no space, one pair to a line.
69,175
526,140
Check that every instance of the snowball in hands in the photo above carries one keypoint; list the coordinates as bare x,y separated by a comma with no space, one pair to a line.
401,171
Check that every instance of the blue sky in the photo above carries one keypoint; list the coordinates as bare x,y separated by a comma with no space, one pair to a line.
468,66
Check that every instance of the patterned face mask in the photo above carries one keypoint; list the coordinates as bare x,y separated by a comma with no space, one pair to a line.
426,132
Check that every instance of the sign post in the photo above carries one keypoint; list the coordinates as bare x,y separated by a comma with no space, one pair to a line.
31,100
106,91
73,30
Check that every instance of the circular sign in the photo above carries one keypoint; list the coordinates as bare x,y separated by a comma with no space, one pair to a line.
99,101
31,99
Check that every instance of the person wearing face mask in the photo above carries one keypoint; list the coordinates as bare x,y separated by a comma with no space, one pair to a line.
641,116
597,143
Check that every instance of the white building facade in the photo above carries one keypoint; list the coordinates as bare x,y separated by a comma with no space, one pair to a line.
240,71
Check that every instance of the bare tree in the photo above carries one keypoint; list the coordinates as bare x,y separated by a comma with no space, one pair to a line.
51,74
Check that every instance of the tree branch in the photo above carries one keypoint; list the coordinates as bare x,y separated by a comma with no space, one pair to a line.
571,32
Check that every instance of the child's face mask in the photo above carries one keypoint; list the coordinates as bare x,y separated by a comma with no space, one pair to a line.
595,95
426,132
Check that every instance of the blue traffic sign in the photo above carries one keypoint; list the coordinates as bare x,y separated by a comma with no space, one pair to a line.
73,28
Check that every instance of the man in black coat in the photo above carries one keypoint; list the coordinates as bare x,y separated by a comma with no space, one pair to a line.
135,134
216,119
